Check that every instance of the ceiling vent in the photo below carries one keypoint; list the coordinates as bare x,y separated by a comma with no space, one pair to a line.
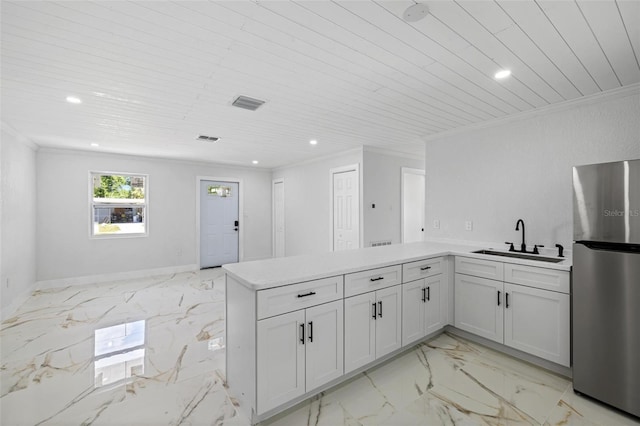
207,138
247,103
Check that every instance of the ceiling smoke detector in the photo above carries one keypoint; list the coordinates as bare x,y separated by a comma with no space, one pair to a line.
246,102
207,138
415,12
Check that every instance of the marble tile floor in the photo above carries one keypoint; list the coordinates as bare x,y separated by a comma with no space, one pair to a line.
151,352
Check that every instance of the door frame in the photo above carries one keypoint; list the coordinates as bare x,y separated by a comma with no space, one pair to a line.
273,217
199,179
352,167
413,171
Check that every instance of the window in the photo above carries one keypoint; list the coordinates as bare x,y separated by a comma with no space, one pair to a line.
118,204
119,352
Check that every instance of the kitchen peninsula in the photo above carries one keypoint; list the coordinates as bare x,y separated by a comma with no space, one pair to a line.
299,325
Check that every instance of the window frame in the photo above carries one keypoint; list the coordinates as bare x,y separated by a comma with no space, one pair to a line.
93,204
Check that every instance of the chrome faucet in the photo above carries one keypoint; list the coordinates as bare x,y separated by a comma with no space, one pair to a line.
523,246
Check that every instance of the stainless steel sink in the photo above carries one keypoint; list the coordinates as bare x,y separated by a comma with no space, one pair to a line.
520,255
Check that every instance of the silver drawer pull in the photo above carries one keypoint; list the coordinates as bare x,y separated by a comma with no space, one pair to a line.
311,293
424,268
376,279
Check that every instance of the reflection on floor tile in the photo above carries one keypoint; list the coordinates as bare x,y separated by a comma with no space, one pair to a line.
48,375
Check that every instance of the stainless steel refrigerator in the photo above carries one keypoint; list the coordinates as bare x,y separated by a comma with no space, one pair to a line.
606,283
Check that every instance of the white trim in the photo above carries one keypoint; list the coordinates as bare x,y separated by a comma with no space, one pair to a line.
240,213
17,301
403,171
116,276
144,234
83,152
620,92
19,137
418,155
273,217
341,169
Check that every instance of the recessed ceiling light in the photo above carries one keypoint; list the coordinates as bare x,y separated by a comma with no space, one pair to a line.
255,161
313,142
502,74
95,145
74,100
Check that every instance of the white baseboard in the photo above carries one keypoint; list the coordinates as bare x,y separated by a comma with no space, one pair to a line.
116,276
18,300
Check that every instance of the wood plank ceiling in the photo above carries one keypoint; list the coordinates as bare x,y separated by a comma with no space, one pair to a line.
154,75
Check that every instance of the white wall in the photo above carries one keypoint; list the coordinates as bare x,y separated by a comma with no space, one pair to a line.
523,169
65,249
18,219
307,202
382,176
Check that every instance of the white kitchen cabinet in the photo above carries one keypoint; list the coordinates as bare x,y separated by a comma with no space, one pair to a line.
297,352
324,346
281,360
478,306
372,279
422,308
389,320
525,314
537,322
412,312
422,269
372,326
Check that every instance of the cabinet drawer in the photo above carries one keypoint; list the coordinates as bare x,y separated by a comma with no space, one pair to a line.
373,279
547,279
422,269
289,298
479,268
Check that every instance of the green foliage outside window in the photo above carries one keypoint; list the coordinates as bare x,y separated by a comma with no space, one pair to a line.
118,186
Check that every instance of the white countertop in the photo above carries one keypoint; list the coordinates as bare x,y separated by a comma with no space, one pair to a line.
268,273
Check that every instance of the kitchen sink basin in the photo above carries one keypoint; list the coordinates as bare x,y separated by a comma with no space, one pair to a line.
520,256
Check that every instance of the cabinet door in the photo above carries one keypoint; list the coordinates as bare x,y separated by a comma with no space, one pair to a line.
412,312
537,321
280,359
389,321
433,320
324,347
359,331
479,306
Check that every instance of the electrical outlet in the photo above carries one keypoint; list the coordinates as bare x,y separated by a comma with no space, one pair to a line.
436,224
468,225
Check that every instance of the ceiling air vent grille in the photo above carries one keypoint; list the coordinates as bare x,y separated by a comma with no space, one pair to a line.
208,138
247,103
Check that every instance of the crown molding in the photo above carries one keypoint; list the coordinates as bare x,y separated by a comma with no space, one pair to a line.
314,160
83,152
385,151
618,93
19,137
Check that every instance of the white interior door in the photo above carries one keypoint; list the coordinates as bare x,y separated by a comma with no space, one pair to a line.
219,224
412,205
278,218
346,212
